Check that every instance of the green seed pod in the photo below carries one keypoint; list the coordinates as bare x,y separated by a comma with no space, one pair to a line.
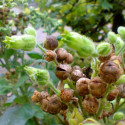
104,49
112,37
73,122
118,116
40,76
24,42
83,45
30,31
121,32
121,80
90,121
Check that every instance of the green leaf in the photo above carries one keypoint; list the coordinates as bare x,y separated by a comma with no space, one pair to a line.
105,4
17,115
9,52
21,80
35,55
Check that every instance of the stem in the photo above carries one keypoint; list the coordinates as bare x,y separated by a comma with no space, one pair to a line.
41,48
60,119
36,121
123,60
121,50
118,107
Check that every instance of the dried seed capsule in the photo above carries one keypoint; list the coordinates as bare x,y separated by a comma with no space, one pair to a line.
82,86
50,55
76,75
54,105
76,67
7,75
6,21
69,58
63,106
6,9
14,32
66,95
37,97
97,87
121,91
20,15
1,16
61,54
110,72
119,58
62,71
16,20
104,58
90,104
13,71
113,94
44,105
51,43
44,94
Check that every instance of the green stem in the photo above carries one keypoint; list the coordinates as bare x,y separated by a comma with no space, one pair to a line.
123,60
41,48
118,107
121,50
60,119
36,121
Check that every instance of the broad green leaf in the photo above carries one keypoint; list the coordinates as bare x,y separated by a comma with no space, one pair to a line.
35,55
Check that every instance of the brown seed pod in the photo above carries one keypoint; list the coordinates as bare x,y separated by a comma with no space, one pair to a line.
97,87
63,106
6,9
7,74
113,94
90,104
6,21
66,95
69,58
54,105
37,97
76,75
44,105
1,11
44,94
16,20
1,17
82,86
61,54
25,18
110,72
13,71
62,71
121,91
51,43
119,58
76,67
104,58
14,32
50,55
20,15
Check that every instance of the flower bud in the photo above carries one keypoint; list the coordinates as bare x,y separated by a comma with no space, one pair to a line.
66,95
62,71
37,97
109,72
83,45
90,104
54,105
50,55
51,43
118,116
30,31
24,42
120,122
121,32
76,75
112,37
82,86
121,91
69,58
97,87
113,94
104,49
61,54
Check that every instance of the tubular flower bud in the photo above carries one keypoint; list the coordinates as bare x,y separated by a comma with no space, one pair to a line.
121,32
30,31
109,72
97,87
82,86
121,91
90,121
90,104
24,42
104,49
83,45
50,55
51,43
112,37
40,76
120,122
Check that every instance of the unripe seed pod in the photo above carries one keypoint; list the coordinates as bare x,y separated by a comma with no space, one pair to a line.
37,97
121,91
90,121
97,87
76,67
90,104
109,72
118,116
112,37
61,54
13,71
121,32
51,43
54,105
119,58
62,71
113,94
76,75
120,122
82,86
44,105
66,95
20,15
69,58
50,55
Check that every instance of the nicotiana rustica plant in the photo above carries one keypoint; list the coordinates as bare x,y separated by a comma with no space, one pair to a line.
78,100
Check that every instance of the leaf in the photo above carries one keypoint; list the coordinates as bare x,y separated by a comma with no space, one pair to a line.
17,115
105,4
9,52
35,55
21,80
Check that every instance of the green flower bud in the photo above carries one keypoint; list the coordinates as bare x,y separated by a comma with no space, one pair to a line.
73,122
30,31
83,45
103,49
40,76
121,32
107,106
121,80
24,42
112,37
118,116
